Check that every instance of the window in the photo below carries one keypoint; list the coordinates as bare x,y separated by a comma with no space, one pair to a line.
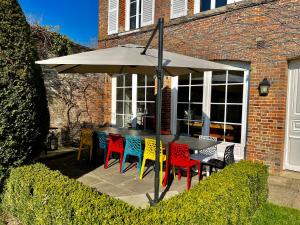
139,13
204,5
113,15
178,8
189,107
135,14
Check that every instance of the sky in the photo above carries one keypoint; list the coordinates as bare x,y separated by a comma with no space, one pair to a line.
78,19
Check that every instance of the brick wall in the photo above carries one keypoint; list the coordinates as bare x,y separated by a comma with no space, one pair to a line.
263,33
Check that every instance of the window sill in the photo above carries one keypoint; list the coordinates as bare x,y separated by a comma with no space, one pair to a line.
129,32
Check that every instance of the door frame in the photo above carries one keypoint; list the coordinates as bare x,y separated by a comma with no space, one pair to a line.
286,165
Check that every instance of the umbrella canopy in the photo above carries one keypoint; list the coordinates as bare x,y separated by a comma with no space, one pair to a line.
128,59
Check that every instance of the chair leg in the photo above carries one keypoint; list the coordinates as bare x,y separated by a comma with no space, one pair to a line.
179,173
188,178
161,172
123,163
166,175
142,169
107,158
79,151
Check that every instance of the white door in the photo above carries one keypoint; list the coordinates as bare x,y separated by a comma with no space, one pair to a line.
293,118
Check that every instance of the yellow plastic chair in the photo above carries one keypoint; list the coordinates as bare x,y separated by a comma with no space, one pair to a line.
149,154
86,139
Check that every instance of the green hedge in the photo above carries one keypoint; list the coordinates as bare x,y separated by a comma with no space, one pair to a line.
36,195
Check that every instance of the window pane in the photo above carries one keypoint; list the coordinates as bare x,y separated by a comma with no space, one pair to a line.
217,131
141,80
150,109
182,111
217,113
234,113
197,78
119,121
150,81
218,94
150,94
235,93
132,23
220,3
128,94
205,5
140,108
196,111
233,133
141,94
182,127
127,121
235,77
219,77
128,80
120,93
133,8
184,79
120,81
196,93
119,107
127,109
183,94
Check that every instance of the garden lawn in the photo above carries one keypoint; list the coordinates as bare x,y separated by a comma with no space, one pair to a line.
274,214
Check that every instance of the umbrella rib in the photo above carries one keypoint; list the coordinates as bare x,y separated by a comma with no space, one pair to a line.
63,71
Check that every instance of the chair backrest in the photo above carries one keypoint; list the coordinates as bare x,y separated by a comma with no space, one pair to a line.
150,147
178,153
133,144
211,150
116,141
229,155
86,136
102,138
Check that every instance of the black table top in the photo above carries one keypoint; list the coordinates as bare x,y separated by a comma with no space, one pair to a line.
193,143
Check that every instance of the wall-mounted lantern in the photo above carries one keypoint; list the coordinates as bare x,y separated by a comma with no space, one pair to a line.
264,87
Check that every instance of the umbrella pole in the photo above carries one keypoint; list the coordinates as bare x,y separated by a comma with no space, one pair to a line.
160,79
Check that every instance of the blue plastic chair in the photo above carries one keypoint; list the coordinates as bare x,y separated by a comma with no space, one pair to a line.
102,140
133,147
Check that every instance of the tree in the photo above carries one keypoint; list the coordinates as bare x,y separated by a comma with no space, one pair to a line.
24,116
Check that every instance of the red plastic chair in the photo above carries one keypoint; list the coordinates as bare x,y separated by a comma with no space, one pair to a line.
179,156
115,144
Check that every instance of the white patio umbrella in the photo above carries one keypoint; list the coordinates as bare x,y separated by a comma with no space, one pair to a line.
135,59
128,59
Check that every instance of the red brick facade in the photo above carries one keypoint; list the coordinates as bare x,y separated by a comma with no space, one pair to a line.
263,33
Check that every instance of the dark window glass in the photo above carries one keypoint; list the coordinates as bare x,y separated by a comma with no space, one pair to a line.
217,113
150,94
218,94
184,79
140,80
220,3
120,81
182,111
205,5
233,133
127,108
196,94
235,77
183,94
119,108
141,94
150,109
183,127
234,114
132,23
140,107
219,77
128,80
150,81
197,78
132,8
235,93
120,93
128,94
196,111
119,121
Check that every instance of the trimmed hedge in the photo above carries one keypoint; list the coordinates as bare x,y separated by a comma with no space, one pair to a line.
36,195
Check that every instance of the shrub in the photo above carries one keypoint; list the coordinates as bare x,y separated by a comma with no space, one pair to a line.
24,116
36,195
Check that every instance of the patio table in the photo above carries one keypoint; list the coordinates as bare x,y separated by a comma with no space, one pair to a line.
193,143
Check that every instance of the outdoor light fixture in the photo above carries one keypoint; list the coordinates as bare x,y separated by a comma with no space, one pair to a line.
264,87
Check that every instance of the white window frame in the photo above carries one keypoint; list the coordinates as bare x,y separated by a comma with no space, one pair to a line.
239,147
